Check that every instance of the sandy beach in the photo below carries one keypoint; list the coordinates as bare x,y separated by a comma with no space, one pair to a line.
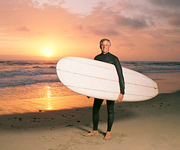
147,125
39,112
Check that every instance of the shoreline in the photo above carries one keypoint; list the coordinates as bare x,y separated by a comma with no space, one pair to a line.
55,96
151,124
156,102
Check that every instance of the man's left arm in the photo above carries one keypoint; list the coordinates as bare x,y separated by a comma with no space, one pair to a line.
121,79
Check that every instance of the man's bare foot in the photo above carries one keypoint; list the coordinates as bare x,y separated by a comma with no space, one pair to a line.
107,136
92,133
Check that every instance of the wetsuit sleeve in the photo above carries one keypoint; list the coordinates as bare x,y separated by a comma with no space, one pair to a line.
120,75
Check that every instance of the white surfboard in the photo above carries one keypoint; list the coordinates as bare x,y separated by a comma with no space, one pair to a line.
100,80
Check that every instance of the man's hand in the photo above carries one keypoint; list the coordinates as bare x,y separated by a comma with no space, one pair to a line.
120,98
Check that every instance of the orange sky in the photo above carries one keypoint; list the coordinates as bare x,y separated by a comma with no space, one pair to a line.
146,30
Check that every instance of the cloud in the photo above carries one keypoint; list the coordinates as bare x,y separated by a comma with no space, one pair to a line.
127,45
23,29
159,47
4,37
110,20
108,32
172,18
166,3
175,19
176,41
134,23
135,26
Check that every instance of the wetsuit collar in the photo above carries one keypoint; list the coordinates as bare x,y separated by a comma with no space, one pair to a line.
105,54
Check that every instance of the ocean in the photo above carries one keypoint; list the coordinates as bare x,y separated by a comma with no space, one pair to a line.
18,73
31,84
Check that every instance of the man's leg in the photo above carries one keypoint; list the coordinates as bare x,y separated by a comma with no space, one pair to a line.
110,109
96,107
95,116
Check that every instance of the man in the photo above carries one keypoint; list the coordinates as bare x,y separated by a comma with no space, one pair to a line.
106,56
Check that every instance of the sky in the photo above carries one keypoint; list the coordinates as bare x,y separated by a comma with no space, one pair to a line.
139,30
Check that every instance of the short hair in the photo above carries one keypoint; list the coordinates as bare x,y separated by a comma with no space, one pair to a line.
105,40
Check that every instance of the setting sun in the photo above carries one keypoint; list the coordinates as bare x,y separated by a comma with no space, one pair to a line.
48,52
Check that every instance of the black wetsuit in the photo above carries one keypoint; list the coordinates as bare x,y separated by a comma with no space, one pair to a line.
109,58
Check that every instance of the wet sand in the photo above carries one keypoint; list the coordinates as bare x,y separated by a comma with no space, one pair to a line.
55,96
147,125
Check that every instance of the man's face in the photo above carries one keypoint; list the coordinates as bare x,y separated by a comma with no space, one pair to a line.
105,47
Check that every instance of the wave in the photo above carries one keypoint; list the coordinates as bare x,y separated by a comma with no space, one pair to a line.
24,63
16,73
49,68
145,67
145,63
27,80
28,71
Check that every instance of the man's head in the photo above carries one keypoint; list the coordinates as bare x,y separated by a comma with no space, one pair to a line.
105,45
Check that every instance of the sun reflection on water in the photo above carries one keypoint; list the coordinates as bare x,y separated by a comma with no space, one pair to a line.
49,103
48,91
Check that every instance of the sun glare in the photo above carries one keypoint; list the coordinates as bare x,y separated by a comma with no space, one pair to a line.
48,52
